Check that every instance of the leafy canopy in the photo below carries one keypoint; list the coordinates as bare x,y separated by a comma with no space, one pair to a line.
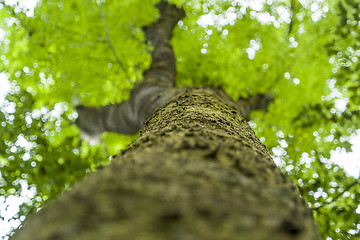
305,54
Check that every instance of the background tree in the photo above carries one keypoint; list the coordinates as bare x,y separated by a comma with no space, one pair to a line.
305,54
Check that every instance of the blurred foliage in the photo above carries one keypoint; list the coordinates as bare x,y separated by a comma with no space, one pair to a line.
303,53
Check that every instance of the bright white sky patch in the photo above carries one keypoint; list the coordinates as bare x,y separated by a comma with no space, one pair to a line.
29,4
26,6
4,87
22,142
10,2
340,104
265,17
9,207
284,14
350,162
2,34
256,5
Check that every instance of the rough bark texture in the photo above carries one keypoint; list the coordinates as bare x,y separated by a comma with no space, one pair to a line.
196,172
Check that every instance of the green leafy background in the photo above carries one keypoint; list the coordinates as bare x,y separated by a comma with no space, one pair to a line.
305,54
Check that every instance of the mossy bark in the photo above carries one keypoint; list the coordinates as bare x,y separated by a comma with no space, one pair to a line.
196,172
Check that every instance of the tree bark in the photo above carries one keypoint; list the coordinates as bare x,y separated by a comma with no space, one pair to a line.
196,172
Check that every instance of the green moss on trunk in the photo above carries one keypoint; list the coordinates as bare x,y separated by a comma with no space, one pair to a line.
196,172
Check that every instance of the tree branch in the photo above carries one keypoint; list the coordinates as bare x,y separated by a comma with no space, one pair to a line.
337,196
154,91
253,102
162,70
279,76
292,16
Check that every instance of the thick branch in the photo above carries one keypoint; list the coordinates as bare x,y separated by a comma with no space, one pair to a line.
126,117
155,89
162,70
253,102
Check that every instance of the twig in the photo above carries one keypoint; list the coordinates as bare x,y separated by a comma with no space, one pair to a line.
278,77
337,196
137,67
184,3
107,32
292,16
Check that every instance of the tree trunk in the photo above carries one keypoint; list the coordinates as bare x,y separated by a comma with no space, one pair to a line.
196,172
